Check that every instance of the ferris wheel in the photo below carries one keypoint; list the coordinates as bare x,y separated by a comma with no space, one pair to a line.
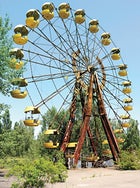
72,63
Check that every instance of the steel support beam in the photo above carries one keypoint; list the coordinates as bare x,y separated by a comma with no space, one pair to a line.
105,122
86,120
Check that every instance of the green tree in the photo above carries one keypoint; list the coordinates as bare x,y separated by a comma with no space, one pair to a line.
22,138
5,46
6,43
5,127
17,142
53,119
132,141
3,109
129,160
5,121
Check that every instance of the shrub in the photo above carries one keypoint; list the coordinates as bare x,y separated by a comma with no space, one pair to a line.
129,160
35,173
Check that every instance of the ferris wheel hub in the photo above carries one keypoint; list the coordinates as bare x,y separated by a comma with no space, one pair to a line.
91,69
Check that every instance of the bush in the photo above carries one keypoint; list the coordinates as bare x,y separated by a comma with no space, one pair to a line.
129,160
9,162
35,173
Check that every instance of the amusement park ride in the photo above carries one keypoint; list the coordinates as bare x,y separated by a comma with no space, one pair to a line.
69,60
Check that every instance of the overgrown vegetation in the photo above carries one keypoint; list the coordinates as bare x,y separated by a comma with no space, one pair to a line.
130,153
22,154
35,173
129,160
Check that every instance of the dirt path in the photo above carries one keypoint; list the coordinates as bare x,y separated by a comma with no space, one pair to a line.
100,178
5,182
91,178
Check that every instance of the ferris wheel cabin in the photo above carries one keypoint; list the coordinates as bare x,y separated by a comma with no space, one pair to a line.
18,84
20,37
31,116
48,11
16,55
64,10
32,18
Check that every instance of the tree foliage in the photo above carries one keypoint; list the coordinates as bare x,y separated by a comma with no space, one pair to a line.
132,141
5,45
15,142
129,160
6,73
5,122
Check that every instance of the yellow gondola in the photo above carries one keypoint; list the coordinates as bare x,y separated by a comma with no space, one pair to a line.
105,39
20,36
21,82
127,116
115,53
94,26
79,16
120,140
18,94
126,83
105,142
18,83
30,116
125,125
51,131
118,131
71,144
32,18
123,71
16,55
127,90
107,152
127,100
128,108
31,122
92,158
15,64
64,10
48,10
51,144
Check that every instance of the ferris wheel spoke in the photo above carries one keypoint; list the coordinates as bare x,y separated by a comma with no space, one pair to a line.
112,96
68,42
70,37
111,84
58,49
63,87
49,57
117,106
49,65
44,63
38,78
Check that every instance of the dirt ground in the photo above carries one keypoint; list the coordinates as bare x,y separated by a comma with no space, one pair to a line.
91,177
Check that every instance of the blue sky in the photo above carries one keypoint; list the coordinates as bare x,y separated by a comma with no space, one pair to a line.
120,18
